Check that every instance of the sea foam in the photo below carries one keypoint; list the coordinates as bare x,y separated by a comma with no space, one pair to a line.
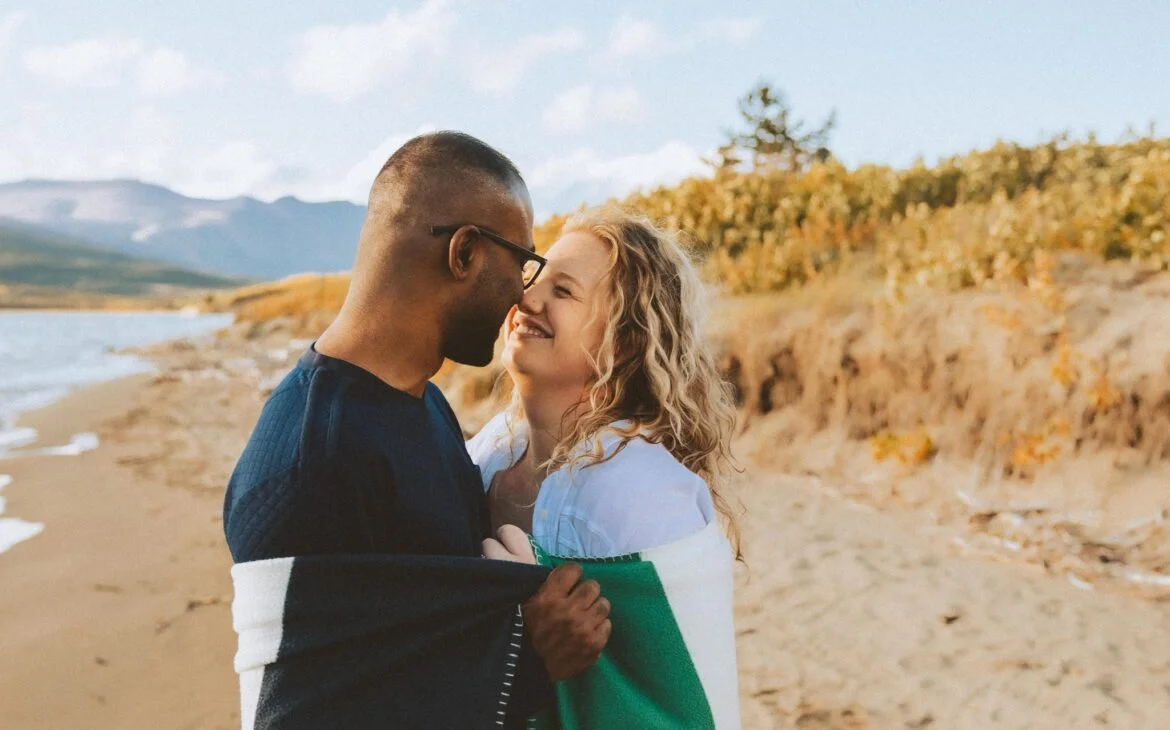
12,529
45,355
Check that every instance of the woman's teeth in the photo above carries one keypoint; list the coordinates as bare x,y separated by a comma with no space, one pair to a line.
524,329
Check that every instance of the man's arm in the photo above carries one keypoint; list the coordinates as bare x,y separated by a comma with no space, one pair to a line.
295,513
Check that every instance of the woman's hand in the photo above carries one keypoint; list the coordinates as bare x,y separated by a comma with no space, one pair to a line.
511,543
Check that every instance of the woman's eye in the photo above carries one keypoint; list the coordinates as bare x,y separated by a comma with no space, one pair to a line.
561,291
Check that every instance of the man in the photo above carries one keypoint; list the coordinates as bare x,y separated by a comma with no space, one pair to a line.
356,452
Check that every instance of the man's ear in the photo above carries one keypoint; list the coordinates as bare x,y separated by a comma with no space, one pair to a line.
461,253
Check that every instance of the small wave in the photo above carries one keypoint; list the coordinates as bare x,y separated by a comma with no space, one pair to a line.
15,438
79,444
14,530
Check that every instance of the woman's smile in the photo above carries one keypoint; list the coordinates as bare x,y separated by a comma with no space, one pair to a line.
526,331
525,327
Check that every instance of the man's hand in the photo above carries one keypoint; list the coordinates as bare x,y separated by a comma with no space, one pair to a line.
511,543
568,622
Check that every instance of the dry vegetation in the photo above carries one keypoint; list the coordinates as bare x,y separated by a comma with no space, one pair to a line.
305,303
986,340
970,221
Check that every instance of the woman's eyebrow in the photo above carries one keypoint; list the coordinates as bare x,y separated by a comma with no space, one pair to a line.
570,277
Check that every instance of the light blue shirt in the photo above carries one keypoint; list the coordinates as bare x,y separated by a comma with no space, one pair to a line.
640,499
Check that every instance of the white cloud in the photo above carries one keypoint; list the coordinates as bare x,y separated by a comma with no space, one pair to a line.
500,70
560,184
731,29
92,63
577,108
343,62
166,72
150,147
106,62
235,168
9,22
355,184
633,37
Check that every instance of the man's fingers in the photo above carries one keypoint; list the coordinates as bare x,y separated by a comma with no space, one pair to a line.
584,594
516,541
561,580
599,611
604,633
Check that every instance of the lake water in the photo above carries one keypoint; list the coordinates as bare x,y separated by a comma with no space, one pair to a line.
44,355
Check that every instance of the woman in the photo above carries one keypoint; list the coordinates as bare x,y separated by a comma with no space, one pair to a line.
614,447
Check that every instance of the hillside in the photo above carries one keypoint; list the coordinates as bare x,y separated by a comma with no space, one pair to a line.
983,342
39,267
240,237
986,219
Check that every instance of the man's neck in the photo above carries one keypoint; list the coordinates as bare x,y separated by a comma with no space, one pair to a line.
394,348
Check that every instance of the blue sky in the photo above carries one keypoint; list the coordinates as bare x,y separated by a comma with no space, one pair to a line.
265,98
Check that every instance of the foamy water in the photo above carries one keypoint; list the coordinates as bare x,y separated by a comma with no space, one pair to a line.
44,355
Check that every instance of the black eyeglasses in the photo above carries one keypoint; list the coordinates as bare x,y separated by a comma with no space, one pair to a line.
533,263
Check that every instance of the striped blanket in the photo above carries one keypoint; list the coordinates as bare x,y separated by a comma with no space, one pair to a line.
432,642
670,662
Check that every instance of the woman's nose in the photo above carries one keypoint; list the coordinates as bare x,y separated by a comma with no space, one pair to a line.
531,302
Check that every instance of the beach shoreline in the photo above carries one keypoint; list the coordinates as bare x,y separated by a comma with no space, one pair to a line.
118,614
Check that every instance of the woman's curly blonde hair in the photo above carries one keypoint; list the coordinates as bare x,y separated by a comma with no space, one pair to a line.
654,369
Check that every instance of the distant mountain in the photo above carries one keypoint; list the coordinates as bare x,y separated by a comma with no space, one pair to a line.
241,236
36,260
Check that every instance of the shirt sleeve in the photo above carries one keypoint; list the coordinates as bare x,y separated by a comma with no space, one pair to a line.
636,502
298,512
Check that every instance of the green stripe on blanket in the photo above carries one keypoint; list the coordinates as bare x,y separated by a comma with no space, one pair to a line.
670,662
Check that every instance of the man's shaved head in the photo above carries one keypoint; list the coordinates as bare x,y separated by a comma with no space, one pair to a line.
466,282
429,158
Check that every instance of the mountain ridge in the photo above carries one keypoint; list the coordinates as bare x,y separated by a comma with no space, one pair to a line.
38,265
240,236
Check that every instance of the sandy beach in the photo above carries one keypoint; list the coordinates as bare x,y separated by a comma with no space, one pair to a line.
849,615
117,615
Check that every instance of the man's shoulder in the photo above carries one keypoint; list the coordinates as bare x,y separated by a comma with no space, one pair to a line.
433,395
300,425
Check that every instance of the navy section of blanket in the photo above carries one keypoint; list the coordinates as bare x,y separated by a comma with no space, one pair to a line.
395,641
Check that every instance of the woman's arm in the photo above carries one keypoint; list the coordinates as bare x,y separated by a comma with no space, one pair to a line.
641,499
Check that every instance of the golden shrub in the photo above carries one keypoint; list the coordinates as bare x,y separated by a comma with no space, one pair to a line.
988,218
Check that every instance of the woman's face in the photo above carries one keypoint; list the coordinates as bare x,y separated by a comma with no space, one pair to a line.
558,320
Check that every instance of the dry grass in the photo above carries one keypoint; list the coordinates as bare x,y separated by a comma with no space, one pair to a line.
296,296
996,374
974,220
988,338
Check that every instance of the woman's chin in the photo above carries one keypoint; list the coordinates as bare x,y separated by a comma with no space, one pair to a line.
525,365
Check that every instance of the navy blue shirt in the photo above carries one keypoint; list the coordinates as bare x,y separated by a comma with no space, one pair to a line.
342,463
